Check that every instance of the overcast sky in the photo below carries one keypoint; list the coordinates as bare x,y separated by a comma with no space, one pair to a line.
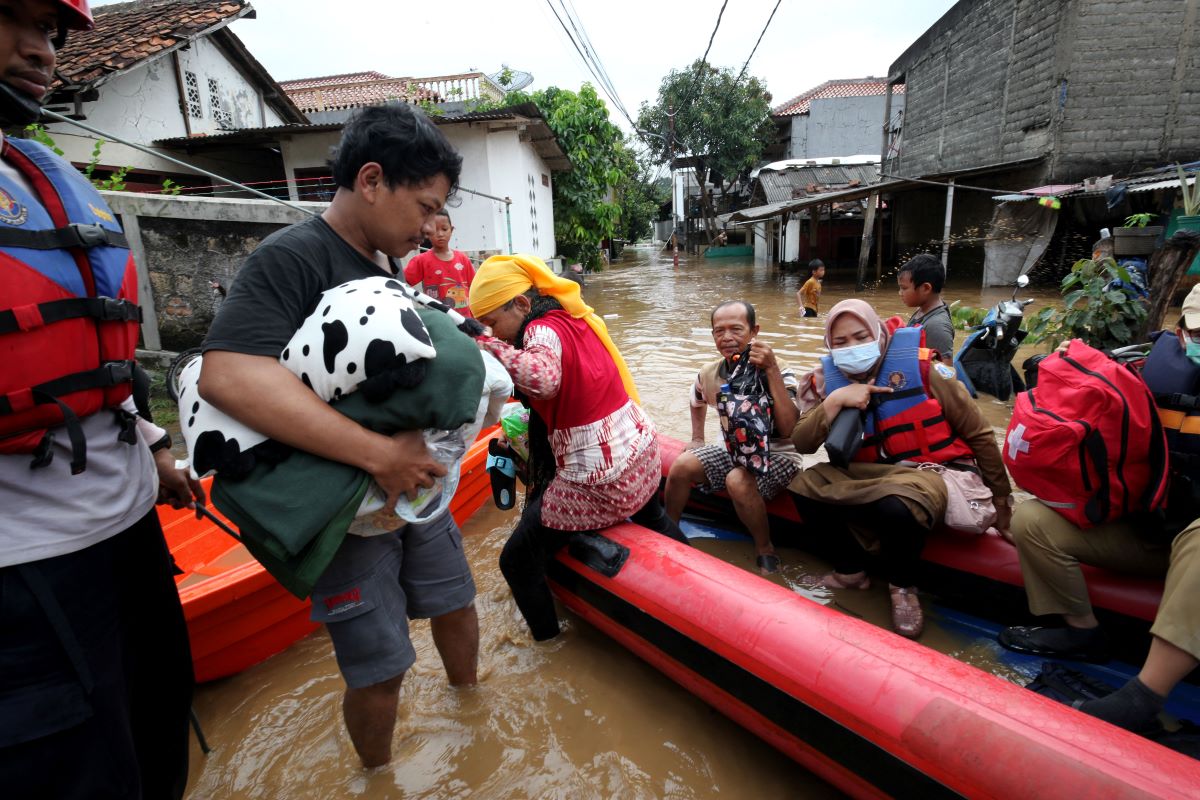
638,41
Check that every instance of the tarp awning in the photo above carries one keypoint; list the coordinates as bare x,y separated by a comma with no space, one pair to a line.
801,203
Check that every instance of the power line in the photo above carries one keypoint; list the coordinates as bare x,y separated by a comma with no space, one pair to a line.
590,49
605,86
756,44
703,60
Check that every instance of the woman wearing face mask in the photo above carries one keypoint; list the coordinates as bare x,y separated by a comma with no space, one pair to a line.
915,411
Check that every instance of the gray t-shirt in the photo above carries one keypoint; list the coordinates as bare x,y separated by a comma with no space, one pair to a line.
939,330
50,512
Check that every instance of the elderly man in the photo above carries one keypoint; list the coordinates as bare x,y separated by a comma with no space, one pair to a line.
734,328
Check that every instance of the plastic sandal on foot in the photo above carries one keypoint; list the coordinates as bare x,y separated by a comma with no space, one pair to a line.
907,617
768,563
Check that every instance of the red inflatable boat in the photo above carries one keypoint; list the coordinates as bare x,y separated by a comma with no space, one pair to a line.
875,714
983,567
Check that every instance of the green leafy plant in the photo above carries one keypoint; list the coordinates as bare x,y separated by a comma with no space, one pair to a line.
171,187
40,135
966,317
1138,220
1191,194
1104,317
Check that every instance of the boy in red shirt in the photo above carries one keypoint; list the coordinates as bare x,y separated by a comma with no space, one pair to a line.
443,273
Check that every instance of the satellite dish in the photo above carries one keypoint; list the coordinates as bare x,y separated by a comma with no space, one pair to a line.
517,79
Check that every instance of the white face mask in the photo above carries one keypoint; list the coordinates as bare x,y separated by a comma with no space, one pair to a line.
856,359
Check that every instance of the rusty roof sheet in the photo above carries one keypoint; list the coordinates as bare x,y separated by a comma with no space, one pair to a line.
848,87
127,34
798,182
354,90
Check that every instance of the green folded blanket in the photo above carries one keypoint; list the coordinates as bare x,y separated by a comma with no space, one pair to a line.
294,515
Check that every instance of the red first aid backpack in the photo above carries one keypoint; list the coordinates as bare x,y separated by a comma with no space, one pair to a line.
1086,440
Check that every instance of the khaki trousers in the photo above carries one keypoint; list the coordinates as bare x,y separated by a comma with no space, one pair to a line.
1051,550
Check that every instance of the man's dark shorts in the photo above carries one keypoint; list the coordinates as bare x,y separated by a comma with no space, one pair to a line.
375,584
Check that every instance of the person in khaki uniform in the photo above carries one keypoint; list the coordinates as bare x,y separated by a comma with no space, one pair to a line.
1051,549
890,507
709,466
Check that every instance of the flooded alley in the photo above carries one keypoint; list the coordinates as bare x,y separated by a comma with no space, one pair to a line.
578,717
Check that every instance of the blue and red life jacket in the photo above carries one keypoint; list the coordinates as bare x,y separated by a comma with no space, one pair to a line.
908,424
1175,382
68,305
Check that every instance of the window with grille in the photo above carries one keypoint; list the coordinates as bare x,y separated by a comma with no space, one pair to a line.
219,112
192,87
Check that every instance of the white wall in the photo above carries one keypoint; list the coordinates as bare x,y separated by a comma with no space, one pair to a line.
478,221
495,163
142,105
516,172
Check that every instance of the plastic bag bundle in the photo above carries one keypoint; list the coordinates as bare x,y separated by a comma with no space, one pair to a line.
744,408
514,421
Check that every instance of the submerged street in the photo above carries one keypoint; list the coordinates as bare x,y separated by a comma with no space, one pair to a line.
580,716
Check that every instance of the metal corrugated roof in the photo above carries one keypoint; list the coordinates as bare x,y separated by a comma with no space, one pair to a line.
791,184
837,196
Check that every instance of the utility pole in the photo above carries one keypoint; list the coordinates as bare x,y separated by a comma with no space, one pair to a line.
671,165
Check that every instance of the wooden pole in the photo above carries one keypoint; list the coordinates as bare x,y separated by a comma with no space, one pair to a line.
868,236
946,227
1167,268
879,241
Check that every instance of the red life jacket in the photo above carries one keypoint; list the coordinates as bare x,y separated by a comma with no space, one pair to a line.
68,305
1087,440
908,424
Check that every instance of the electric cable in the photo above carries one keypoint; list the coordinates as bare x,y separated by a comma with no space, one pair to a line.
756,44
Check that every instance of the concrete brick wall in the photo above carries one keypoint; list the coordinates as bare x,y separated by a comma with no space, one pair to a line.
1096,86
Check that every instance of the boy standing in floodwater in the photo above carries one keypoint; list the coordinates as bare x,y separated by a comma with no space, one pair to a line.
921,280
443,273
809,296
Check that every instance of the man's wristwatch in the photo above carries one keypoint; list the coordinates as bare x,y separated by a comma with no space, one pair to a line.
161,444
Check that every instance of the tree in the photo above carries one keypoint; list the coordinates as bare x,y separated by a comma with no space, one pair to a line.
722,125
637,194
584,209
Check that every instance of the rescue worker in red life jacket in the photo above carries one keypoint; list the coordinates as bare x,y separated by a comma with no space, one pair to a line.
95,669
1051,549
917,412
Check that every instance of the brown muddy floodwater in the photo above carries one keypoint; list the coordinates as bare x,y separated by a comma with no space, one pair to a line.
578,717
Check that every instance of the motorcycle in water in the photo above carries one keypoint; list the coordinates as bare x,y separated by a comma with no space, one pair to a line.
984,362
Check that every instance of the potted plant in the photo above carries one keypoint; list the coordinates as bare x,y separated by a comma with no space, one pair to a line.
1138,237
1190,218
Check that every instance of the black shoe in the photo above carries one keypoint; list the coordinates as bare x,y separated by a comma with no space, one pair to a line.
1072,644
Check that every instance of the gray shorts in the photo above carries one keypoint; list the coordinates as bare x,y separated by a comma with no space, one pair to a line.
375,584
718,463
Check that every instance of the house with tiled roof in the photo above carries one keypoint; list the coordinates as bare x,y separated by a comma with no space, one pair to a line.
165,69
842,117
505,196
332,98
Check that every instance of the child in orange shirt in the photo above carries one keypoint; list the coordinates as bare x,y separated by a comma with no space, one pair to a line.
809,295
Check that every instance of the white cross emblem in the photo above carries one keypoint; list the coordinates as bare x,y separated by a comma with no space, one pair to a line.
1016,444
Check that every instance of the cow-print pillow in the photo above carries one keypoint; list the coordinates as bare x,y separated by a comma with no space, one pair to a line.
364,335
215,440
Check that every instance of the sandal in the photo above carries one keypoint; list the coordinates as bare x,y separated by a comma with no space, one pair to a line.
768,563
848,580
503,474
907,617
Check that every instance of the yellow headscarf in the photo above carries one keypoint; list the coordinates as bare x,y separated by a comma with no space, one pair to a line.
501,278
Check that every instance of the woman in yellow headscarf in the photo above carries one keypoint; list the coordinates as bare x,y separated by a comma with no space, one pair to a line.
594,455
